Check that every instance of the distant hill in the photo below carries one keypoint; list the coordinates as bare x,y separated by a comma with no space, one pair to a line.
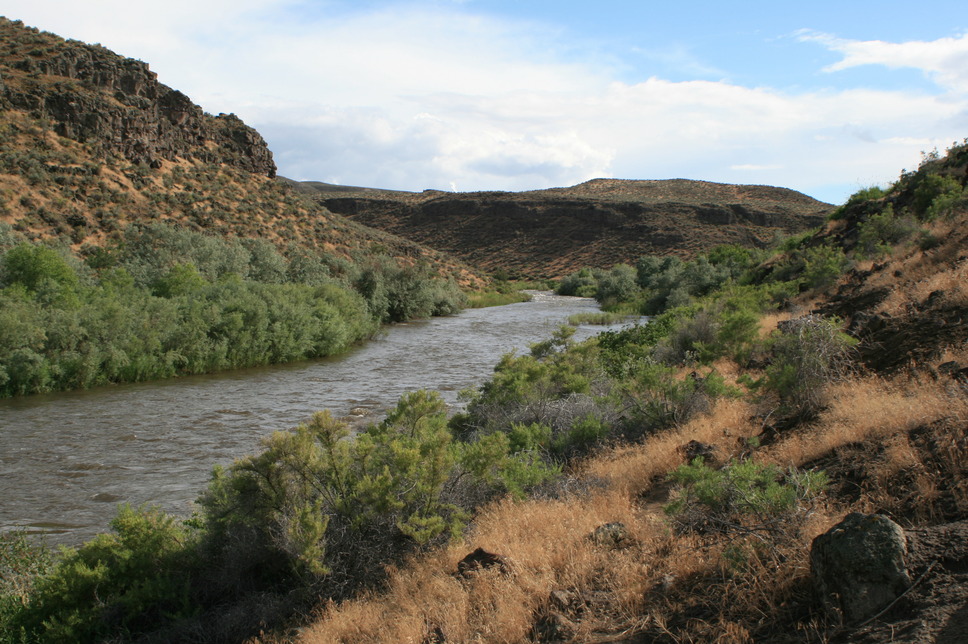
91,142
550,233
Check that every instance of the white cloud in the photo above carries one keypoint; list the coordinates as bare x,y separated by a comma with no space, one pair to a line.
944,60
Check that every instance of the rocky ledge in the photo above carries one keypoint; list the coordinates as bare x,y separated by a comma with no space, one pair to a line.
90,94
550,233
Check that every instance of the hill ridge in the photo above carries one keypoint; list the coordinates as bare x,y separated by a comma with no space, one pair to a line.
552,232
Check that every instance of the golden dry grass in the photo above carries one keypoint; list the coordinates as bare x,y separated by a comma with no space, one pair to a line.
654,587
870,408
548,546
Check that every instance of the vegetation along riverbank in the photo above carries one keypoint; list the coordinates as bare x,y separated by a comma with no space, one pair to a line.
689,479
662,482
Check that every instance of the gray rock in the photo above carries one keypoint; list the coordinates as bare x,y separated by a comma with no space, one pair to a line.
611,535
858,566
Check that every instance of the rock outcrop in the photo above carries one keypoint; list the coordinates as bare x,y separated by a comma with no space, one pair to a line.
90,94
858,566
550,233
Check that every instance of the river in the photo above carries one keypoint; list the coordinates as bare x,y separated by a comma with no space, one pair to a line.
68,459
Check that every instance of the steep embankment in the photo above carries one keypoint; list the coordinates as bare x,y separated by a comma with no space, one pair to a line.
550,233
91,142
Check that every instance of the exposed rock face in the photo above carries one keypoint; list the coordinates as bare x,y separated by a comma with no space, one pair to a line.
90,94
550,233
858,566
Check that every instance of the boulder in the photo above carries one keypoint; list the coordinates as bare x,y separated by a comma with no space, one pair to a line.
480,560
858,566
611,535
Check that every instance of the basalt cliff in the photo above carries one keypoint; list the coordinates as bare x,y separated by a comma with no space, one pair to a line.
89,94
550,233
91,143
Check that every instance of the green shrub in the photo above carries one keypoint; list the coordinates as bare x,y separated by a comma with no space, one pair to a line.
33,266
583,283
656,398
120,584
332,512
22,564
935,195
871,193
881,231
742,498
807,353
617,285
823,265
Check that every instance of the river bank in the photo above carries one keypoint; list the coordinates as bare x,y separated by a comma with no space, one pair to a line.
68,459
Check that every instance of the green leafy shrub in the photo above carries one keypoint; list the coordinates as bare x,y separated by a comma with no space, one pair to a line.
559,385
822,265
935,195
742,498
871,193
881,231
22,564
33,266
123,583
617,285
583,283
333,512
656,398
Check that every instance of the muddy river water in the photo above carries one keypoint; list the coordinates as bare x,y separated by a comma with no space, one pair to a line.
67,460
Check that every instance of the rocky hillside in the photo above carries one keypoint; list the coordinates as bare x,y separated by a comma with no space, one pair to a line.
550,233
91,142
91,95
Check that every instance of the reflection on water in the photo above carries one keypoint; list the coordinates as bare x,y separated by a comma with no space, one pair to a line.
67,460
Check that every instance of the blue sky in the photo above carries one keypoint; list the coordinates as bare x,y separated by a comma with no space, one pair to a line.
823,97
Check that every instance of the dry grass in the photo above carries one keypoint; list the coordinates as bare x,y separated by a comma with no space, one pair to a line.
870,408
912,274
634,469
547,547
661,585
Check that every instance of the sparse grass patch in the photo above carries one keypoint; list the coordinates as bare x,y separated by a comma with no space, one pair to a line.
603,318
484,299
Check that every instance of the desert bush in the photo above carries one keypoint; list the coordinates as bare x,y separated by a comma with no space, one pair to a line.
881,231
871,193
742,498
935,195
22,564
617,285
692,341
822,265
33,266
119,584
559,385
331,512
582,283
656,398
807,353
